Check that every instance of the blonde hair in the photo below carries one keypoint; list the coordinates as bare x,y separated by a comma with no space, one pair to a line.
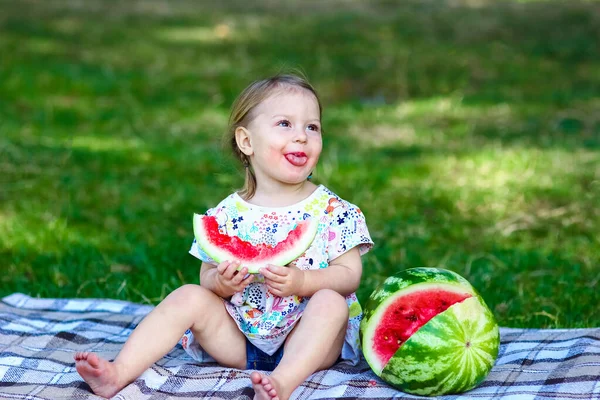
242,114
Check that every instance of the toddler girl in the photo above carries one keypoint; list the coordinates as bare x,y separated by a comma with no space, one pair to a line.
291,320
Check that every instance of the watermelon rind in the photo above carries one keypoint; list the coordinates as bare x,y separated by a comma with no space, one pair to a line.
282,258
409,277
368,329
452,353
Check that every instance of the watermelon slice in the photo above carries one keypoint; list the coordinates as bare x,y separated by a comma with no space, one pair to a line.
405,314
427,331
221,247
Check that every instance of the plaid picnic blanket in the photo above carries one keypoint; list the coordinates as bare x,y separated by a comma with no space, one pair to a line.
38,338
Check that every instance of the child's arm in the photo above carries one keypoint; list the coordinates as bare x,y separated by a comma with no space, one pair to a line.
342,275
224,279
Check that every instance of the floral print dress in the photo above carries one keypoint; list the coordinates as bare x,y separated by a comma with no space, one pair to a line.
266,319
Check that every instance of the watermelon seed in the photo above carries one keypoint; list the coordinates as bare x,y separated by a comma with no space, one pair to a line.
412,317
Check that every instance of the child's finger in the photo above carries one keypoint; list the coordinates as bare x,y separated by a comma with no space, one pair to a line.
276,291
275,285
278,270
242,279
247,280
231,270
239,276
222,267
266,272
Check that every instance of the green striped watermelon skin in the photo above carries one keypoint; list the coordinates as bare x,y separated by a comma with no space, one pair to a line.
452,353
409,277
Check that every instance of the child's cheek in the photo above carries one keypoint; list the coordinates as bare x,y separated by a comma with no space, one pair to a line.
273,154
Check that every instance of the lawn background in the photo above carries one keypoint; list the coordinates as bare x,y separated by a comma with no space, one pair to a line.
467,131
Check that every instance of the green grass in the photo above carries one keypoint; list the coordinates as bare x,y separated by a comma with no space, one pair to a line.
467,131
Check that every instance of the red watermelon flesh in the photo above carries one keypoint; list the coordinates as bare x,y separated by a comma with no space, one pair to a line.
246,251
221,247
408,313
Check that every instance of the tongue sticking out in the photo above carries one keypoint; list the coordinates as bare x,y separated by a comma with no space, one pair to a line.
297,159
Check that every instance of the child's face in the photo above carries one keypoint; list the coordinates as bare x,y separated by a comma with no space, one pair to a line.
285,137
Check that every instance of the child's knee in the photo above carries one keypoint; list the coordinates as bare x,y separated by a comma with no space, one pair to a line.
333,301
188,295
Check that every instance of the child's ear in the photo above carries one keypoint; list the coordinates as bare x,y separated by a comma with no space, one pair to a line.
242,138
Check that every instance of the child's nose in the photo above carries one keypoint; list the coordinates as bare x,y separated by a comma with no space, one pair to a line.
300,135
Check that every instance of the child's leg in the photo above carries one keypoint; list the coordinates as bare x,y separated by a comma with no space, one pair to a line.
189,307
314,344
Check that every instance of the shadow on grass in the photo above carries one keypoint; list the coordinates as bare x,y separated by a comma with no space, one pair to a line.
154,57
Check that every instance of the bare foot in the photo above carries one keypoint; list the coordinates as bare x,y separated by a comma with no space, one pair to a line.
100,374
264,387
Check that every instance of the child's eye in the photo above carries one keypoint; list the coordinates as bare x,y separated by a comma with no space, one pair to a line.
284,123
314,127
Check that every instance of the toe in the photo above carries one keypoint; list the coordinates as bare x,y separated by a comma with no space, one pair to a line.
93,360
256,378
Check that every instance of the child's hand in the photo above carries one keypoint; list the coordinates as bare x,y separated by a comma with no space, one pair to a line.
283,281
230,279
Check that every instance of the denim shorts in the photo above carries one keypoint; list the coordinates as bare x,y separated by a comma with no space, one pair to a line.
259,360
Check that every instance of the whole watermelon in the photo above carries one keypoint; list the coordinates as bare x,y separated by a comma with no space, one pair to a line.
427,331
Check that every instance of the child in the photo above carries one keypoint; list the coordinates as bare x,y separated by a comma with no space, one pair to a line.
292,320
